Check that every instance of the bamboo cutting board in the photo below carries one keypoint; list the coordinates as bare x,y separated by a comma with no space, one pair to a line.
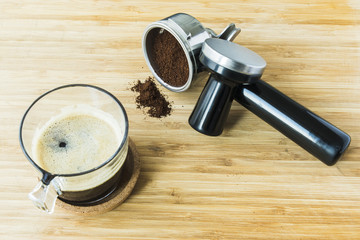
249,183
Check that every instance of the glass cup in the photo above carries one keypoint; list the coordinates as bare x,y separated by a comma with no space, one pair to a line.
76,136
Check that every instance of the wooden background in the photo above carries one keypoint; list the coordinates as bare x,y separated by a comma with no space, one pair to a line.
249,183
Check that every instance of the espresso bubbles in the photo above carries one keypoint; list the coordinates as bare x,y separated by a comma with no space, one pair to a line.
75,142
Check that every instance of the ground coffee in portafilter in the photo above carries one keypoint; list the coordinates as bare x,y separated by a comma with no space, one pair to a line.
169,60
150,97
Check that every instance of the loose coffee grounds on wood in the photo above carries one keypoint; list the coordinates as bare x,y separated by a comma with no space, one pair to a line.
151,97
169,58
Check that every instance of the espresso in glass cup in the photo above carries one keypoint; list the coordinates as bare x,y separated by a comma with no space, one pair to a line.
76,136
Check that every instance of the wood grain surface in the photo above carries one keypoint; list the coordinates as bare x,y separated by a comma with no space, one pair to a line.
249,183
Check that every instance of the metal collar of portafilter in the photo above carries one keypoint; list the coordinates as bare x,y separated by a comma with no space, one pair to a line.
191,35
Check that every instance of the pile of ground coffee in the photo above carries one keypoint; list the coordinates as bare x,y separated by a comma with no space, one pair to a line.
150,97
169,59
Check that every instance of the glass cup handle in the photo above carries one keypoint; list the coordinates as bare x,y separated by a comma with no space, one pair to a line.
44,196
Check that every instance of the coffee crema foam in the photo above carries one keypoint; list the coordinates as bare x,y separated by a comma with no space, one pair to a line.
79,139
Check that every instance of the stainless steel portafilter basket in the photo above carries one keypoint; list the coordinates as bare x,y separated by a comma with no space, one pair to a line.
191,35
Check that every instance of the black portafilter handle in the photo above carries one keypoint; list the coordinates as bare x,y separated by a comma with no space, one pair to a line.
314,134
236,73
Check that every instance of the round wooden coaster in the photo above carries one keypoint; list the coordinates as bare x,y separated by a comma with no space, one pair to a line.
129,176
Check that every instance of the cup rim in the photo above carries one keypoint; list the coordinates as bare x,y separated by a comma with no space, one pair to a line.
46,173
